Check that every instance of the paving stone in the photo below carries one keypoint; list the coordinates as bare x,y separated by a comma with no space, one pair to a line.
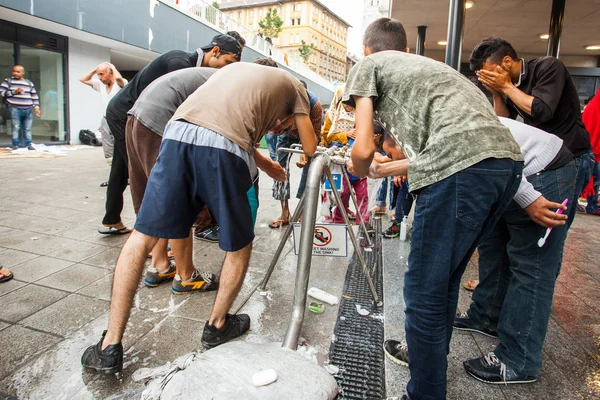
100,289
106,259
77,252
75,277
38,268
10,286
4,325
25,344
11,258
44,244
67,315
28,300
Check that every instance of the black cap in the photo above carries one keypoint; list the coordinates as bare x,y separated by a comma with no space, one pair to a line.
226,43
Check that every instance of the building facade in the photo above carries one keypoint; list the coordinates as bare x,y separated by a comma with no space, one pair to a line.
58,41
309,21
374,9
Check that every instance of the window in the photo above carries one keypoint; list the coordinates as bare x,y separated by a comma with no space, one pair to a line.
298,21
297,38
251,13
260,12
239,14
299,7
293,21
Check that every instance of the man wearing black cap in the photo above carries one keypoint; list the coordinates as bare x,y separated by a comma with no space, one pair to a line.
223,50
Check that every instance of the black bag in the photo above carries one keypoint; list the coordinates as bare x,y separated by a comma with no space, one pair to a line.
88,137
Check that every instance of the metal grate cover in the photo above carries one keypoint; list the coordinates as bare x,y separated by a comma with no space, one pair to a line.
357,347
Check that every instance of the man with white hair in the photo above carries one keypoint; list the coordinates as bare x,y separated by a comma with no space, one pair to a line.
106,80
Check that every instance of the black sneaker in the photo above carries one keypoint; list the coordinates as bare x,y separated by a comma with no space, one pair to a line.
396,351
393,231
235,326
462,322
199,282
209,234
490,369
108,361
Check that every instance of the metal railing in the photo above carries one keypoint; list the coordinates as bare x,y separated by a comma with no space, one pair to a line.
217,19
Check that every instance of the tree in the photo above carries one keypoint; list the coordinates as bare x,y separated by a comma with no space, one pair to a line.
270,25
215,5
305,50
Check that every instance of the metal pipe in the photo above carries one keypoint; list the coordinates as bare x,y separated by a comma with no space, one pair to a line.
286,235
288,231
456,21
319,164
357,250
355,201
421,34
556,26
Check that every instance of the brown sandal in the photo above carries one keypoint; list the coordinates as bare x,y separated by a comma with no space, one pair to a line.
279,223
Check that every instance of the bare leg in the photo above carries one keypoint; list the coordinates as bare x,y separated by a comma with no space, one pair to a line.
128,272
182,248
160,258
285,210
232,277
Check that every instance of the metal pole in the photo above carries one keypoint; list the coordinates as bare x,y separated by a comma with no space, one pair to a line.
355,201
288,231
319,164
421,34
556,26
456,21
357,250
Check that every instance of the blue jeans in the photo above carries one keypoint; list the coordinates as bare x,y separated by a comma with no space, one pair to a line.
382,193
585,168
272,145
21,121
592,201
452,216
402,201
517,278
281,190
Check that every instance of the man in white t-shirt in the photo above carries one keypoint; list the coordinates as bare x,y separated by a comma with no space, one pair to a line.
106,80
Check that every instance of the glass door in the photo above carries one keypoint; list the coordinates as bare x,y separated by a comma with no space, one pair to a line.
7,58
45,69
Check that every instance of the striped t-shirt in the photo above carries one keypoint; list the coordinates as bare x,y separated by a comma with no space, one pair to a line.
26,99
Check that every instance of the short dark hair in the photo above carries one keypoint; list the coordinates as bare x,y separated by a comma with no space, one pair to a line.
385,34
493,49
304,84
237,36
268,62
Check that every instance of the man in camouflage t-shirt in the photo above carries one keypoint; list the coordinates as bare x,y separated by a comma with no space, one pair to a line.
464,166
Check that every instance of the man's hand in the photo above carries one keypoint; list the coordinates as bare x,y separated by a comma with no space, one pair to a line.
543,212
18,90
495,81
276,171
38,112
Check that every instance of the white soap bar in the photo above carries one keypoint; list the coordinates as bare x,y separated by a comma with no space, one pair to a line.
264,378
323,296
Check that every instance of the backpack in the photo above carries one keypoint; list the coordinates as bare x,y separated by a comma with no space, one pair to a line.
88,137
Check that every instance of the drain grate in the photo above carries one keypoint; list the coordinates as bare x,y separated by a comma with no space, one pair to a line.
357,348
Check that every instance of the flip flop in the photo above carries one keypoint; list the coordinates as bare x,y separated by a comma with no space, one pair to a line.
5,277
279,223
111,230
104,184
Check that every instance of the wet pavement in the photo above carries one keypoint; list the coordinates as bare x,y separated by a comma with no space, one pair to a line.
57,304
50,210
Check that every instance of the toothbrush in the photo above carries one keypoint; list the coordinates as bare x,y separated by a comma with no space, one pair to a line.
542,241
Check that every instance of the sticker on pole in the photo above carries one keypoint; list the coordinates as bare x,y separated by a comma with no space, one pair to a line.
328,240
337,180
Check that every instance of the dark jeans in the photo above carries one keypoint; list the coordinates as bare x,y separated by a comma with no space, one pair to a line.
592,201
302,185
402,200
585,168
119,171
281,190
517,278
451,218
271,145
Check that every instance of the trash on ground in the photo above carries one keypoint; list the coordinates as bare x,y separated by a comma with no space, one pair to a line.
316,306
362,311
323,296
332,369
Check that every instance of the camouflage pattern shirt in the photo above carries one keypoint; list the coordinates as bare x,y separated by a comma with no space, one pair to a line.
442,122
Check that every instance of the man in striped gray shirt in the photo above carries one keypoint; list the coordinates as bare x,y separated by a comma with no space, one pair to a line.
22,101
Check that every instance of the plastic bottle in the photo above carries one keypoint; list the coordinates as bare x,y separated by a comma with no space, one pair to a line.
403,228
323,296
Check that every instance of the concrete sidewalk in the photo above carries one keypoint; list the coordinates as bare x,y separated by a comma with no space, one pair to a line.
57,304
